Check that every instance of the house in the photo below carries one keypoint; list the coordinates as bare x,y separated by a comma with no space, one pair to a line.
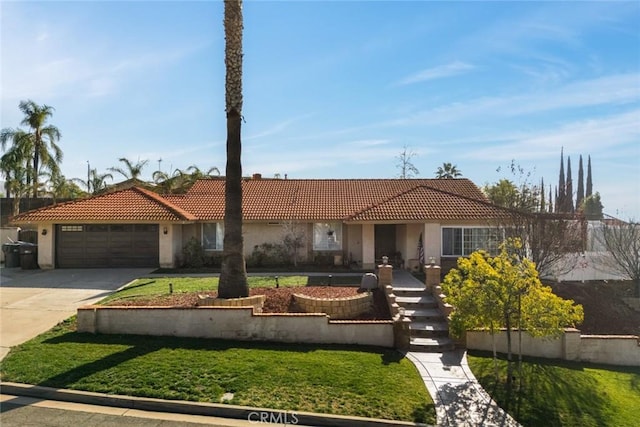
354,220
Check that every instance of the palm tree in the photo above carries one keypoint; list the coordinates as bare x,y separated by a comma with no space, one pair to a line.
168,183
96,183
448,171
16,174
16,162
233,274
132,170
59,187
40,143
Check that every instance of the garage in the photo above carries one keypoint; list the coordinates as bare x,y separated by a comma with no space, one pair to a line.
107,245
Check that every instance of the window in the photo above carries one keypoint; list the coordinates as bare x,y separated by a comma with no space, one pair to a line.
463,241
71,228
212,236
327,236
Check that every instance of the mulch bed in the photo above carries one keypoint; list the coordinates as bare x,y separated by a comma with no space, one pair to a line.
278,300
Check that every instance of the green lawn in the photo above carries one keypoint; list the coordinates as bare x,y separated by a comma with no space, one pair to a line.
360,381
560,393
160,286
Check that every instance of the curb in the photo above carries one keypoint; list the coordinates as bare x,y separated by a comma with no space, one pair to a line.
250,414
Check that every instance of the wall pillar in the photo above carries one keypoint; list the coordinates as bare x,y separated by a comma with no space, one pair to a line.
385,275
432,272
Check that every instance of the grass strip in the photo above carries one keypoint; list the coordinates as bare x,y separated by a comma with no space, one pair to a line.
145,287
342,380
562,393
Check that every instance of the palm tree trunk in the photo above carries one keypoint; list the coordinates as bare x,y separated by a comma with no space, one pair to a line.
233,275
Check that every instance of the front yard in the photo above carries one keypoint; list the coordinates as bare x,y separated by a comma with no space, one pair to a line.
561,393
359,381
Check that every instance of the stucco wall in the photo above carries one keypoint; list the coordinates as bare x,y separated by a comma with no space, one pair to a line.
46,253
368,246
354,242
167,242
233,323
432,241
587,266
608,349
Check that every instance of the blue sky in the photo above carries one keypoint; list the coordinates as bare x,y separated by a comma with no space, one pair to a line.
337,89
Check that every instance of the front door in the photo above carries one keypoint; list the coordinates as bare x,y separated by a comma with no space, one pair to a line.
385,241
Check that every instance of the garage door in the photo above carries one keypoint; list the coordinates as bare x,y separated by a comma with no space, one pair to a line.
107,245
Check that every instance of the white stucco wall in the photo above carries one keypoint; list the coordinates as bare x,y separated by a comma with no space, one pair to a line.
46,246
587,266
236,323
432,241
354,242
368,246
170,244
623,350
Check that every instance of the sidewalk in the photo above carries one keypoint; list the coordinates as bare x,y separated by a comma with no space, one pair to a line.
460,400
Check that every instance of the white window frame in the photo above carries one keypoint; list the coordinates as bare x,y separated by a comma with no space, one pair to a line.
218,238
327,236
467,245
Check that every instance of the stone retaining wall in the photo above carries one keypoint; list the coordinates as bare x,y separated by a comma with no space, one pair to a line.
336,308
256,301
234,323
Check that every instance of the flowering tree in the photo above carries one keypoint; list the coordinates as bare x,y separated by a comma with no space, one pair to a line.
505,292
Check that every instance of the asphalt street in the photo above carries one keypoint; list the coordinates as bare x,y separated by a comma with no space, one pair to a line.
20,411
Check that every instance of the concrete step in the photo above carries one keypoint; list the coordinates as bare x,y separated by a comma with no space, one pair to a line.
431,345
426,301
426,313
409,291
429,329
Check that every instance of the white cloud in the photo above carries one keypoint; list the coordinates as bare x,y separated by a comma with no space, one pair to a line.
442,71
590,135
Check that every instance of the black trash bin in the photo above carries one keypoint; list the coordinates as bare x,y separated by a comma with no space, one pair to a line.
11,254
28,255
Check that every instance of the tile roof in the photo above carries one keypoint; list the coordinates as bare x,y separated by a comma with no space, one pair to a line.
286,199
441,205
132,204
338,199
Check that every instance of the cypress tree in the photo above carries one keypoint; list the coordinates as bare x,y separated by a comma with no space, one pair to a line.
589,191
580,193
550,200
560,190
542,201
569,190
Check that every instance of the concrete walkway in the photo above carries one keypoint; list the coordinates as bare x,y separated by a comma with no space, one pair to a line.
34,301
459,398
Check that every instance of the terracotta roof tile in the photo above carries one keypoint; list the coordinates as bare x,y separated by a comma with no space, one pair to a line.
329,199
132,204
426,203
286,199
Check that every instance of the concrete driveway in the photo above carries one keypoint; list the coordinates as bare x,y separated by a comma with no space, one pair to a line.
33,301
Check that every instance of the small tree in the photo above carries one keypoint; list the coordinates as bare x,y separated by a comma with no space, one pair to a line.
405,165
592,206
622,241
549,240
505,292
293,239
